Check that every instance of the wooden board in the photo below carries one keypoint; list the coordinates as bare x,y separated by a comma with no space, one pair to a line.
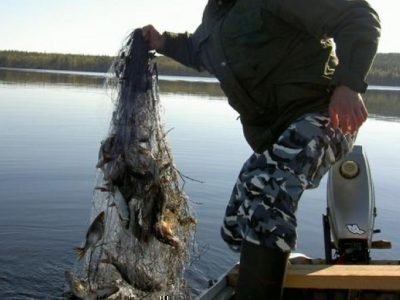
357,277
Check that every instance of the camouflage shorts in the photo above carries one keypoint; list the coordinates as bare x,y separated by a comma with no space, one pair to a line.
264,200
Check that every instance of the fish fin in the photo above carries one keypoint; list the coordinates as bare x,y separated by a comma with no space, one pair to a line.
80,252
102,189
125,224
187,221
105,261
106,292
100,164
109,259
69,278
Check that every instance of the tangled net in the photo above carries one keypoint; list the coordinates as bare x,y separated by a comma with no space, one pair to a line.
138,242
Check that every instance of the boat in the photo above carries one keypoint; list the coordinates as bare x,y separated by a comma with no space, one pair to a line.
313,279
347,272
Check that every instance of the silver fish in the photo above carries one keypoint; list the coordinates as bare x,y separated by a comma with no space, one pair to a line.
112,165
79,289
93,235
135,276
119,202
104,292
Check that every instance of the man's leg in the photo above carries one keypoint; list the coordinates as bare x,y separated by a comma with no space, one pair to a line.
260,217
261,272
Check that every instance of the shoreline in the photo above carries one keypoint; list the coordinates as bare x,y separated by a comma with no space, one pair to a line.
186,78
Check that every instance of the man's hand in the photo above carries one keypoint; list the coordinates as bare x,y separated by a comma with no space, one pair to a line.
347,109
154,39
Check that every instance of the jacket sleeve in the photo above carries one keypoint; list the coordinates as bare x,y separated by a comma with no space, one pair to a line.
353,25
180,47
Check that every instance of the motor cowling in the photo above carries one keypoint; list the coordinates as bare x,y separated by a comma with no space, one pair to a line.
351,207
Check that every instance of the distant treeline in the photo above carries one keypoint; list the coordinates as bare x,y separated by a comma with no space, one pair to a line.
87,63
385,71
54,61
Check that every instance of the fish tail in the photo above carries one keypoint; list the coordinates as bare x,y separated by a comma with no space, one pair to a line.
80,252
107,259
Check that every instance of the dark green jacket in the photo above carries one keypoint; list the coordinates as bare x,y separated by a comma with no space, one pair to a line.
275,60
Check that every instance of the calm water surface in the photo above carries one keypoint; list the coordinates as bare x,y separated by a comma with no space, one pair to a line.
50,133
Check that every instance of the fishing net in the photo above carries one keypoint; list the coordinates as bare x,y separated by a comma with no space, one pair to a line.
141,224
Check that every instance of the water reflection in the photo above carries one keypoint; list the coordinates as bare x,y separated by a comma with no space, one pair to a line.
380,103
383,103
192,88
50,135
42,77
37,77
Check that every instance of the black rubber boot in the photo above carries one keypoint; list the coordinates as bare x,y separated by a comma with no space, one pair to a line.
261,273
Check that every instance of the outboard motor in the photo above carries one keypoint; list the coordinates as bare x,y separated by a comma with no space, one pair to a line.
351,212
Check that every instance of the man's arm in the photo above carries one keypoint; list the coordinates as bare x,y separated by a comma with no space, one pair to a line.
353,25
179,46
355,28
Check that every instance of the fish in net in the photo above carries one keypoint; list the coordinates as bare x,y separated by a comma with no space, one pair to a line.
141,224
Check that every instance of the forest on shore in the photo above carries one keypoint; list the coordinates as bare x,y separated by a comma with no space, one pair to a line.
385,70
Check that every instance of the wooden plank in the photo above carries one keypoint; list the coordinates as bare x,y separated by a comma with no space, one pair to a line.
358,277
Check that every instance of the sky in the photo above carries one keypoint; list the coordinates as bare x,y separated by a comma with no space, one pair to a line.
100,26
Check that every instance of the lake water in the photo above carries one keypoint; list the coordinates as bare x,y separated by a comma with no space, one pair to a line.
51,126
